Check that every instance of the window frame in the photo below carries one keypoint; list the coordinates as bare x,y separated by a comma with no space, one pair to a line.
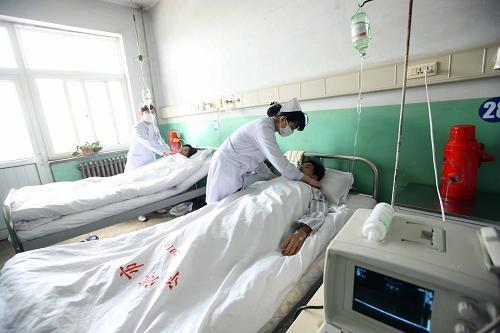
29,77
17,75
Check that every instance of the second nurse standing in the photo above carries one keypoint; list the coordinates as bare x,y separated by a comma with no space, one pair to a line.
247,148
146,141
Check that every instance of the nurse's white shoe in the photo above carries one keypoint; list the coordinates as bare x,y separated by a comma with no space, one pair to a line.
142,218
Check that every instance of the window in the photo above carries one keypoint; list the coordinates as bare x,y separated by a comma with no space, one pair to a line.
79,111
80,86
52,49
7,59
15,143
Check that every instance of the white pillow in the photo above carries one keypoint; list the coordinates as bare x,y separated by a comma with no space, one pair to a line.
202,154
335,185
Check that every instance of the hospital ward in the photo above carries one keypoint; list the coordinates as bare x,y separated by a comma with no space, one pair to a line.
251,166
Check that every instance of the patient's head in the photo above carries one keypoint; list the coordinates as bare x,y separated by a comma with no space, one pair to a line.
188,150
313,169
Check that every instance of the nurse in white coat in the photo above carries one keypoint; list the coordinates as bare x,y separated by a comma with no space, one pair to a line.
247,148
146,141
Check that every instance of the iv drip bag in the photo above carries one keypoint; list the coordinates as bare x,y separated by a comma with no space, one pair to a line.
361,33
146,97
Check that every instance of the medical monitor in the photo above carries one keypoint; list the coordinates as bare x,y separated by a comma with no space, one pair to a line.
425,276
394,302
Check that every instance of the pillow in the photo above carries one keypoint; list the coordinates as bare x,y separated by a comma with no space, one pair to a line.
202,154
335,185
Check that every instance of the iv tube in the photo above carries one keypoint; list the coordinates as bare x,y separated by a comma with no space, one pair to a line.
433,149
361,36
358,112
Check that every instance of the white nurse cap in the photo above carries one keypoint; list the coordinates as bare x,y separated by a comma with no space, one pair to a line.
291,106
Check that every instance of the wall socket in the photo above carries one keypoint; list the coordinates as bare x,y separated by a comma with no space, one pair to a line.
418,71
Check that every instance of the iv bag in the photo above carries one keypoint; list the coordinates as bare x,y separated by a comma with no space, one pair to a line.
146,97
361,33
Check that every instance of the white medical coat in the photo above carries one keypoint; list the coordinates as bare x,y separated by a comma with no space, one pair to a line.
145,142
243,152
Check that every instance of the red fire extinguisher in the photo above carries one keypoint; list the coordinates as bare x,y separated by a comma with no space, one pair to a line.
174,142
462,157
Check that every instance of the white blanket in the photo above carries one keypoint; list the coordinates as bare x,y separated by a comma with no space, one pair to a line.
218,269
64,198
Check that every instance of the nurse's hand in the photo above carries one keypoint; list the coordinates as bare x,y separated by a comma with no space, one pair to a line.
310,181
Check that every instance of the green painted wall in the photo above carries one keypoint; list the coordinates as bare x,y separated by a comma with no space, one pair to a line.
70,170
332,131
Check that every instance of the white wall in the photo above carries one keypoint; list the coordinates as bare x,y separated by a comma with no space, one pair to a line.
208,48
88,14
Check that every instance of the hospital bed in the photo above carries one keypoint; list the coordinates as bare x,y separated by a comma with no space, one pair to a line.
42,233
190,252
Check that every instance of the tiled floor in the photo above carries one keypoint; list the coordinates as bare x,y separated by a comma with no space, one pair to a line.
7,252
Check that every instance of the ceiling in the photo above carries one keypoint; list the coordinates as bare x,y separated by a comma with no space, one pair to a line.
146,4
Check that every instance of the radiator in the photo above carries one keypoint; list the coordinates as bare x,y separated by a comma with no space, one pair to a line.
103,168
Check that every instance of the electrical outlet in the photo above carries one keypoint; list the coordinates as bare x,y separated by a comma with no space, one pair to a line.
418,71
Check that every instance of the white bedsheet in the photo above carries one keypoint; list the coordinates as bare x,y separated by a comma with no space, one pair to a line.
315,270
219,269
46,226
64,198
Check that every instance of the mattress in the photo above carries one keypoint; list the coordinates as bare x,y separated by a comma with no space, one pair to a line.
41,227
315,270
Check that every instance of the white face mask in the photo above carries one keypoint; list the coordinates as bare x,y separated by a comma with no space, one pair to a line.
285,131
147,117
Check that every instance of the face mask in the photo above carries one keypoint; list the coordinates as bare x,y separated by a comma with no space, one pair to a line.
285,131
147,117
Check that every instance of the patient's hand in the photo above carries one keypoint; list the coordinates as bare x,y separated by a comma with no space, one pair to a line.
293,243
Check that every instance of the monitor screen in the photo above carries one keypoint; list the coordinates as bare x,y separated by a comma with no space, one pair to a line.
402,305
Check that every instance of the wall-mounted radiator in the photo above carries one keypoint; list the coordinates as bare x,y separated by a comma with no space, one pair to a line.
104,168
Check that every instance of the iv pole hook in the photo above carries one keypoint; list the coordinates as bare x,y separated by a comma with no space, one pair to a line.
361,6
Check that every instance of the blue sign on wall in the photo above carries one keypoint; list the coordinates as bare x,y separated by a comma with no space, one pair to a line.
490,110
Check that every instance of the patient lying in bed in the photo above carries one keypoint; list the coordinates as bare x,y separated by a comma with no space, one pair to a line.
188,150
314,218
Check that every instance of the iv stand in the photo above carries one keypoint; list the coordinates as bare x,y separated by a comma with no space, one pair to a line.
401,110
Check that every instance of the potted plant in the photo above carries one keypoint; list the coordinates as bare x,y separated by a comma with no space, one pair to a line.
87,149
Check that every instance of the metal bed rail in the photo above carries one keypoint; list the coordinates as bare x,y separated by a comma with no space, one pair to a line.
7,214
111,220
60,236
352,159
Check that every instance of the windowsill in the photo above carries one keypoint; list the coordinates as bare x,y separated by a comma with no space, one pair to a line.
80,158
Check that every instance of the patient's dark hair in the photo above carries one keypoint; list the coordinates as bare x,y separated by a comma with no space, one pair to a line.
192,150
297,117
318,169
